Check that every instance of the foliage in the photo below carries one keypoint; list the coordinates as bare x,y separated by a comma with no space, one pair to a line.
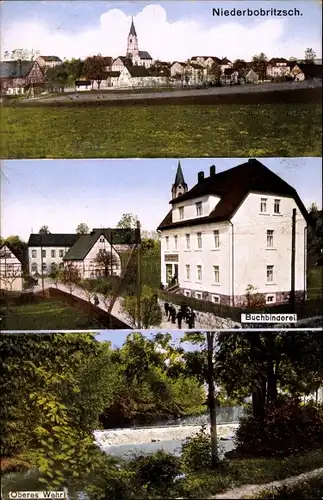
55,275
259,65
82,228
150,310
128,221
239,64
254,299
309,56
70,276
44,230
315,235
64,74
22,54
196,452
107,260
156,471
215,72
94,68
286,427
19,246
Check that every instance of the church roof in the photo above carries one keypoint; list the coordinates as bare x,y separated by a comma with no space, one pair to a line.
144,55
232,186
179,179
132,29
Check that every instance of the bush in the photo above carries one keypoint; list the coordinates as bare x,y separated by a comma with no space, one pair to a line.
308,488
156,471
286,428
196,452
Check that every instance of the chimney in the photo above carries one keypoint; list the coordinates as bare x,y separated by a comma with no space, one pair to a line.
200,177
212,170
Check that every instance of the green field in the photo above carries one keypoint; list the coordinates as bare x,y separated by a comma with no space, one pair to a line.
161,130
45,315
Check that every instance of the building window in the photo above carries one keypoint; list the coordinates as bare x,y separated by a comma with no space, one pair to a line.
199,240
53,254
61,265
216,236
216,274
188,242
44,267
187,293
176,241
181,212
216,299
198,295
101,239
270,299
263,205
270,274
34,254
61,253
199,210
199,273
188,272
167,242
277,207
34,268
43,254
270,238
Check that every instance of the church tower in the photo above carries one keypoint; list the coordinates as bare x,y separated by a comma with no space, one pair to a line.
179,187
132,43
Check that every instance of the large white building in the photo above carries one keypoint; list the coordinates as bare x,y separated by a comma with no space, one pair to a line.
232,232
49,251
11,269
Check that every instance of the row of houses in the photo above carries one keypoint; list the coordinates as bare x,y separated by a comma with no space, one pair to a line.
47,252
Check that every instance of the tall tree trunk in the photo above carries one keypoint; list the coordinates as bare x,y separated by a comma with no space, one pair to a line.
211,399
271,383
259,399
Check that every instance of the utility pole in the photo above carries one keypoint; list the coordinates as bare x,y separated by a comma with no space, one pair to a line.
211,399
111,253
292,287
138,244
42,267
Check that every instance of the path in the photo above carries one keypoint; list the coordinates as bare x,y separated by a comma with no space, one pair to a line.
252,489
110,96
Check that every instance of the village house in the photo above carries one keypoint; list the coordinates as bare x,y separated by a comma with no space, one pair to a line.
303,71
19,77
232,232
278,67
177,69
48,61
58,251
11,269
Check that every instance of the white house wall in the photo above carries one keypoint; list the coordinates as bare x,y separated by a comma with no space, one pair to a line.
10,271
208,204
251,253
48,260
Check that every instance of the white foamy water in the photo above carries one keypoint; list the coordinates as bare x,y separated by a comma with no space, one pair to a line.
117,437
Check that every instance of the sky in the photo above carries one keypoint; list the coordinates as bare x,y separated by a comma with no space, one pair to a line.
170,30
118,337
63,193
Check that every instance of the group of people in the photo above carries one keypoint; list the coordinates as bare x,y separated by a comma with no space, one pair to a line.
183,314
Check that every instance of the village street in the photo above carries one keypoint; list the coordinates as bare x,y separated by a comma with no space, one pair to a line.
111,95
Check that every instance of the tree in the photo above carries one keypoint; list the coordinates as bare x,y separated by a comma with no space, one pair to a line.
259,65
309,56
214,71
128,221
88,287
9,276
82,228
150,311
314,236
70,276
94,68
55,274
57,77
239,64
22,54
44,230
107,260
105,289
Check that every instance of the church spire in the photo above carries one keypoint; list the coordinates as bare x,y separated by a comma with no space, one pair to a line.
132,28
179,187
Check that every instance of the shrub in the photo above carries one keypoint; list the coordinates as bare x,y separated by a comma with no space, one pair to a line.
156,471
196,452
286,428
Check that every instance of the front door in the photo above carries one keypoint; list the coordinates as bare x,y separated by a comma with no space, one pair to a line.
176,271
169,273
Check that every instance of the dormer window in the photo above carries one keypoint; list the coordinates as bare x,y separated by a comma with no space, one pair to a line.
199,208
101,239
181,212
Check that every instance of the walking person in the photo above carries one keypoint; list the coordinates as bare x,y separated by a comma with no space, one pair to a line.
179,318
173,315
192,316
96,300
170,308
166,308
